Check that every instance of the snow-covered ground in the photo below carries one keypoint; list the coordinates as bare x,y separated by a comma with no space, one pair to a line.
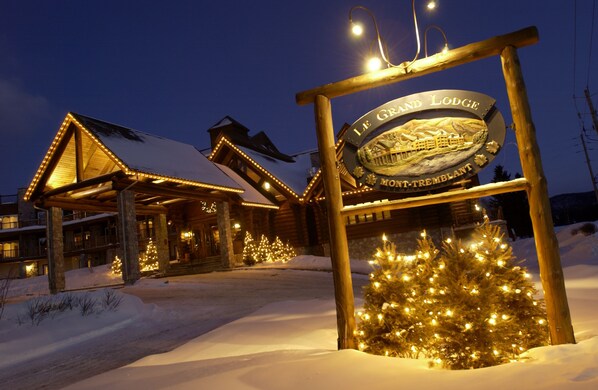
289,344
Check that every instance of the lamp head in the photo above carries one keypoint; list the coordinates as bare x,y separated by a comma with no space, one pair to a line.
432,5
373,64
356,29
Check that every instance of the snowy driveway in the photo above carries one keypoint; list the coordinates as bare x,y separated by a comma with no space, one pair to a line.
186,307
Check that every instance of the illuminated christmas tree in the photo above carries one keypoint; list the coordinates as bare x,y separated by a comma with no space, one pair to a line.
117,266
281,252
467,307
148,261
263,252
249,249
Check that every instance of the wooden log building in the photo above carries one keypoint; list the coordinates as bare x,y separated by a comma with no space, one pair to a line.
197,205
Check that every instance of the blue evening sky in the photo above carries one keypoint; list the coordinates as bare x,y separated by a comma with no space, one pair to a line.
176,68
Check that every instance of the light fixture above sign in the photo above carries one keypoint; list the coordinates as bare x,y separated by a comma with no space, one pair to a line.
424,141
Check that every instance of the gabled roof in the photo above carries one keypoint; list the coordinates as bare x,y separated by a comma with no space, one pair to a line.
251,196
85,148
291,177
146,153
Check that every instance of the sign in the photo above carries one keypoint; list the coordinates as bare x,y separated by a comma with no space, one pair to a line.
424,141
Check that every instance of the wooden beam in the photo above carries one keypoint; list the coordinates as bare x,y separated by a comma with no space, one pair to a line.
520,184
95,206
82,184
339,248
455,57
227,253
194,193
79,155
56,278
127,234
547,246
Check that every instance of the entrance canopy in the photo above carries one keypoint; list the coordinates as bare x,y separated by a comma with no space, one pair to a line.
90,160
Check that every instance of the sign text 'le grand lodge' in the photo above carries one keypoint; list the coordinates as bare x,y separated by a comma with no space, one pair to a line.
424,141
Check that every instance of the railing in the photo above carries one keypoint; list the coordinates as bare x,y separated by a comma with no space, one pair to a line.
9,198
92,243
18,254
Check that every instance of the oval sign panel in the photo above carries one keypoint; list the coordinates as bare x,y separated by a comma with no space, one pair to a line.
424,141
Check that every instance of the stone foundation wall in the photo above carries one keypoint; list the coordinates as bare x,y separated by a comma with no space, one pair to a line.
365,248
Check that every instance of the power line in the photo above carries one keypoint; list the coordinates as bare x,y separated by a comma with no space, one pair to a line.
574,49
591,40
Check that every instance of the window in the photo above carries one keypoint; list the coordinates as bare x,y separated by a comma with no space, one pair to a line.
9,221
145,228
371,217
9,250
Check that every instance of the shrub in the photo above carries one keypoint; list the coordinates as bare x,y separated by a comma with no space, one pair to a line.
466,306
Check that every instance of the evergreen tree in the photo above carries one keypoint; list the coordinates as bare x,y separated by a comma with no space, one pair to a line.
262,252
117,266
513,206
467,307
148,261
249,249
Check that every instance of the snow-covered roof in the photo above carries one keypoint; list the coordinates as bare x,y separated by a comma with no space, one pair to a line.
292,174
251,196
156,155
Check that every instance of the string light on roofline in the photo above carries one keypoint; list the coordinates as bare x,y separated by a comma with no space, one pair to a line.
224,140
42,168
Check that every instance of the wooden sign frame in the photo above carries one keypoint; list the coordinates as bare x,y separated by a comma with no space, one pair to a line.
533,181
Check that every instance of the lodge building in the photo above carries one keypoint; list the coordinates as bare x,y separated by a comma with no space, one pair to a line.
121,187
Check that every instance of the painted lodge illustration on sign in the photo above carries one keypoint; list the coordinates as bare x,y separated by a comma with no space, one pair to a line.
424,141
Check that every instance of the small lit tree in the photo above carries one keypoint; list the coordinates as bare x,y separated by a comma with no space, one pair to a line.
263,252
117,266
148,261
249,249
467,307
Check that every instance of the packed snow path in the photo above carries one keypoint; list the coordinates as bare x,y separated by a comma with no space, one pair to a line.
188,306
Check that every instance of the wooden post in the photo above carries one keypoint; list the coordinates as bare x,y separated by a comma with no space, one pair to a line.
339,250
547,246
129,246
161,229
56,278
227,252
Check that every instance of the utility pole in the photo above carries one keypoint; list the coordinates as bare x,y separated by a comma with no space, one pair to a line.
585,151
592,109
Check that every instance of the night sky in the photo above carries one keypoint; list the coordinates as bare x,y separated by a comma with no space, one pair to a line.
176,68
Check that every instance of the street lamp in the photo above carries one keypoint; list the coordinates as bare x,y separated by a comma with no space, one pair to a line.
444,49
357,29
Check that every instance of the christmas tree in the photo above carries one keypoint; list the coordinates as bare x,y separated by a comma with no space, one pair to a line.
117,266
148,261
249,249
465,307
281,252
264,251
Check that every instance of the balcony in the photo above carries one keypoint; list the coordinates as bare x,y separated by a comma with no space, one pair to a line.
90,243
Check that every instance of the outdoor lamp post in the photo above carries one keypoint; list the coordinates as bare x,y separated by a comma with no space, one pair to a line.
357,29
433,26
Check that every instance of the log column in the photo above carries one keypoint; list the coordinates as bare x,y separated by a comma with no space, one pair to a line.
56,279
129,246
339,249
227,252
161,229
547,246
